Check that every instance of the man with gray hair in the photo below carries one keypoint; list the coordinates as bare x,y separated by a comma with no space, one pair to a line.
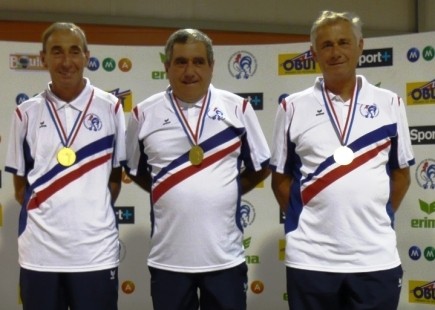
340,160
196,149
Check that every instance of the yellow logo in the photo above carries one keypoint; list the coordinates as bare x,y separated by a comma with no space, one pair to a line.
296,64
422,292
126,98
420,93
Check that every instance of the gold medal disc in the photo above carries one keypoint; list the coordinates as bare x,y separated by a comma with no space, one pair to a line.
196,155
66,156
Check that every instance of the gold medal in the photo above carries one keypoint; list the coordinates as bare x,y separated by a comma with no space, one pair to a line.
196,155
66,156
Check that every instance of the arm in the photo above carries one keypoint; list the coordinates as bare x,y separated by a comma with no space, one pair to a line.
250,178
115,183
143,181
20,188
281,189
400,181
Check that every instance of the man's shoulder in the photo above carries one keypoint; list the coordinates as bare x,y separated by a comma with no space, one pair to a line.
377,89
105,96
156,101
225,93
32,102
302,95
153,99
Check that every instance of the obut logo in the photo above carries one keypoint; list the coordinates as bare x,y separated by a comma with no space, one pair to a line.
299,63
420,92
422,292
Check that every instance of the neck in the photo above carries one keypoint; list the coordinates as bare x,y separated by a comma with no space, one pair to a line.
344,89
67,94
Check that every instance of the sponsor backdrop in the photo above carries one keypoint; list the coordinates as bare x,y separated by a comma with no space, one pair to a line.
265,73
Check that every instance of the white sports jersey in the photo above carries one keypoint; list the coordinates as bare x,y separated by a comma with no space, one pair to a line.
67,222
195,209
340,217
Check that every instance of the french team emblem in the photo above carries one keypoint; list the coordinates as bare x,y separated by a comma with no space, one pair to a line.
242,65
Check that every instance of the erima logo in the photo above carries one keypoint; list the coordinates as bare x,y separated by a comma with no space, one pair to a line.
376,58
112,274
424,223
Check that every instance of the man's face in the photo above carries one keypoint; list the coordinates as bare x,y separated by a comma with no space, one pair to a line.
189,71
65,59
337,50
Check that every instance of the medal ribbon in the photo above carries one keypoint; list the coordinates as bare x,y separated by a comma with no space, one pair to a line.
192,136
342,135
66,141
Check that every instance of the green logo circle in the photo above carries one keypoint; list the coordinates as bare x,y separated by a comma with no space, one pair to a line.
109,64
429,253
428,53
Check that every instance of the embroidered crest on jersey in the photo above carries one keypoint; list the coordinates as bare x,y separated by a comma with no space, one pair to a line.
92,122
369,110
216,114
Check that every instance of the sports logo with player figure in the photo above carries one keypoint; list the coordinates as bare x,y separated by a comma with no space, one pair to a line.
425,174
92,122
216,114
369,110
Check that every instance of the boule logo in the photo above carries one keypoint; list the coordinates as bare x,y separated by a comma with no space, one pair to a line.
425,174
25,62
242,65
247,213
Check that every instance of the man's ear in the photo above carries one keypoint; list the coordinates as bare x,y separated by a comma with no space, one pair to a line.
88,56
313,53
42,56
361,45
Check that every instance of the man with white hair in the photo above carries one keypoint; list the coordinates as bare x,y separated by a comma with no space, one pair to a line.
340,160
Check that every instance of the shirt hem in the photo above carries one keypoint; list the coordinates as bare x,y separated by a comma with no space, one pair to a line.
345,269
69,269
189,269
